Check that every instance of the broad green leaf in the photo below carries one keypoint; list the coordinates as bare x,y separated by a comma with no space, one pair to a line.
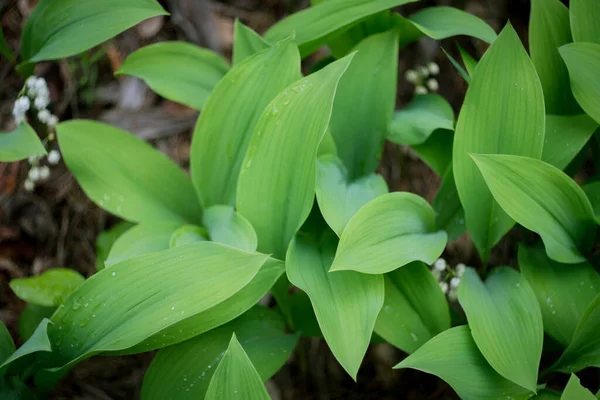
59,29
126,176
548,30
226,226
227,121
106,240
496,312
185,235
276,185
246,42
504,83
19,144
415,123
178,71
454,357
387,233
563,291
184,371
346,303
443,22
340,199
5,51
584,350
414,310
142,239
449,214
542,199
584,21
364,103
39,341
49,289
565,137
12,388
592,191
31,316
313,26
436,151
125,304
574,390
236,376
7,346
583,62
342,42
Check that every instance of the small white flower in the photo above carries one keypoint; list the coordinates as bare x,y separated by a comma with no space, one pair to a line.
434,69
30,82
40,84
22,104
52,121
460,269
19,119
444,287
29,185
44,172
433,85
33,159
44,116
453,295
424,71
34,174
411,76
454,282
54,157
420,90
437,274
41,102
439,264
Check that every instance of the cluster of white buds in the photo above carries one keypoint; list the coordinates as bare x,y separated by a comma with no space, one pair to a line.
37,90
423,78
448,278
38,172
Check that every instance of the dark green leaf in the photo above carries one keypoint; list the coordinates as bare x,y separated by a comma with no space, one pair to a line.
585,15
4,49
39,341
105,241
565,137
49,289
449,214
226,226
7,346
592,191
19,144
31,317
583,62
436,151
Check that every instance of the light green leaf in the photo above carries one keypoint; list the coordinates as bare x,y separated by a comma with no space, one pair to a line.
61,29
468,60
565,137
39,341
496,312
415,123
574,391
142,239
126,176
459,68
449,214
563,291
246,42
125,304
414,310
19,144
346,303
220,140
544,200
7,346
185,235
315,25
364,103
585,15
387,233
436,151
592,191
583,62
184,371
236,375
4,49
443,22
49,289
178,71
226,226
106,240
277,182
454,357
31,317
340,199
506,71
548,30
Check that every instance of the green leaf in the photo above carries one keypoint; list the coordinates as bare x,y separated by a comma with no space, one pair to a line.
7,346
126,176
443,22
459,68
565,137
449,214
548,30
546,394
184,371
468,60
39,341
387,233
563,291
19,144
592,191
584,21
49,289
246,42
544,200
483,127
415,309
436,151
226,226
125,304
574,390
277,182
583,62
178,71
415,123
142,239
340,199
4,49
31,317
496,312
105,241
236,375
359,127
220,140
346,303
62,29
185,235
454,357
315,25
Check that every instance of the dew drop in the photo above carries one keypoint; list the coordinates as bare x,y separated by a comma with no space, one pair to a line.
114,274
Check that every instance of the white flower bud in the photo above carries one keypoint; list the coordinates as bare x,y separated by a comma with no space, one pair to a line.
23,104
44,173
29,185
34,174
439,264
444,287
52,121
54,157
19,119
424,71
437,274
44,116
454,282
433,85
460,269
40,84
453,295
41,102
411,76
33,159
420,90
30,82
434,69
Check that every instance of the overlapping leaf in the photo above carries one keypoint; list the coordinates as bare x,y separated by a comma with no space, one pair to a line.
449,214
583,62
226,226
584,21
574,391
565,137
187,234
49,289
592,191
38,342
246,42
106,240
19,144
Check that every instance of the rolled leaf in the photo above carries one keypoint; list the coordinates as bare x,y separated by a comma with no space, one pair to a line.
246,42
49,289
187,234
19,144
106,240
226,226
583,62
31,317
